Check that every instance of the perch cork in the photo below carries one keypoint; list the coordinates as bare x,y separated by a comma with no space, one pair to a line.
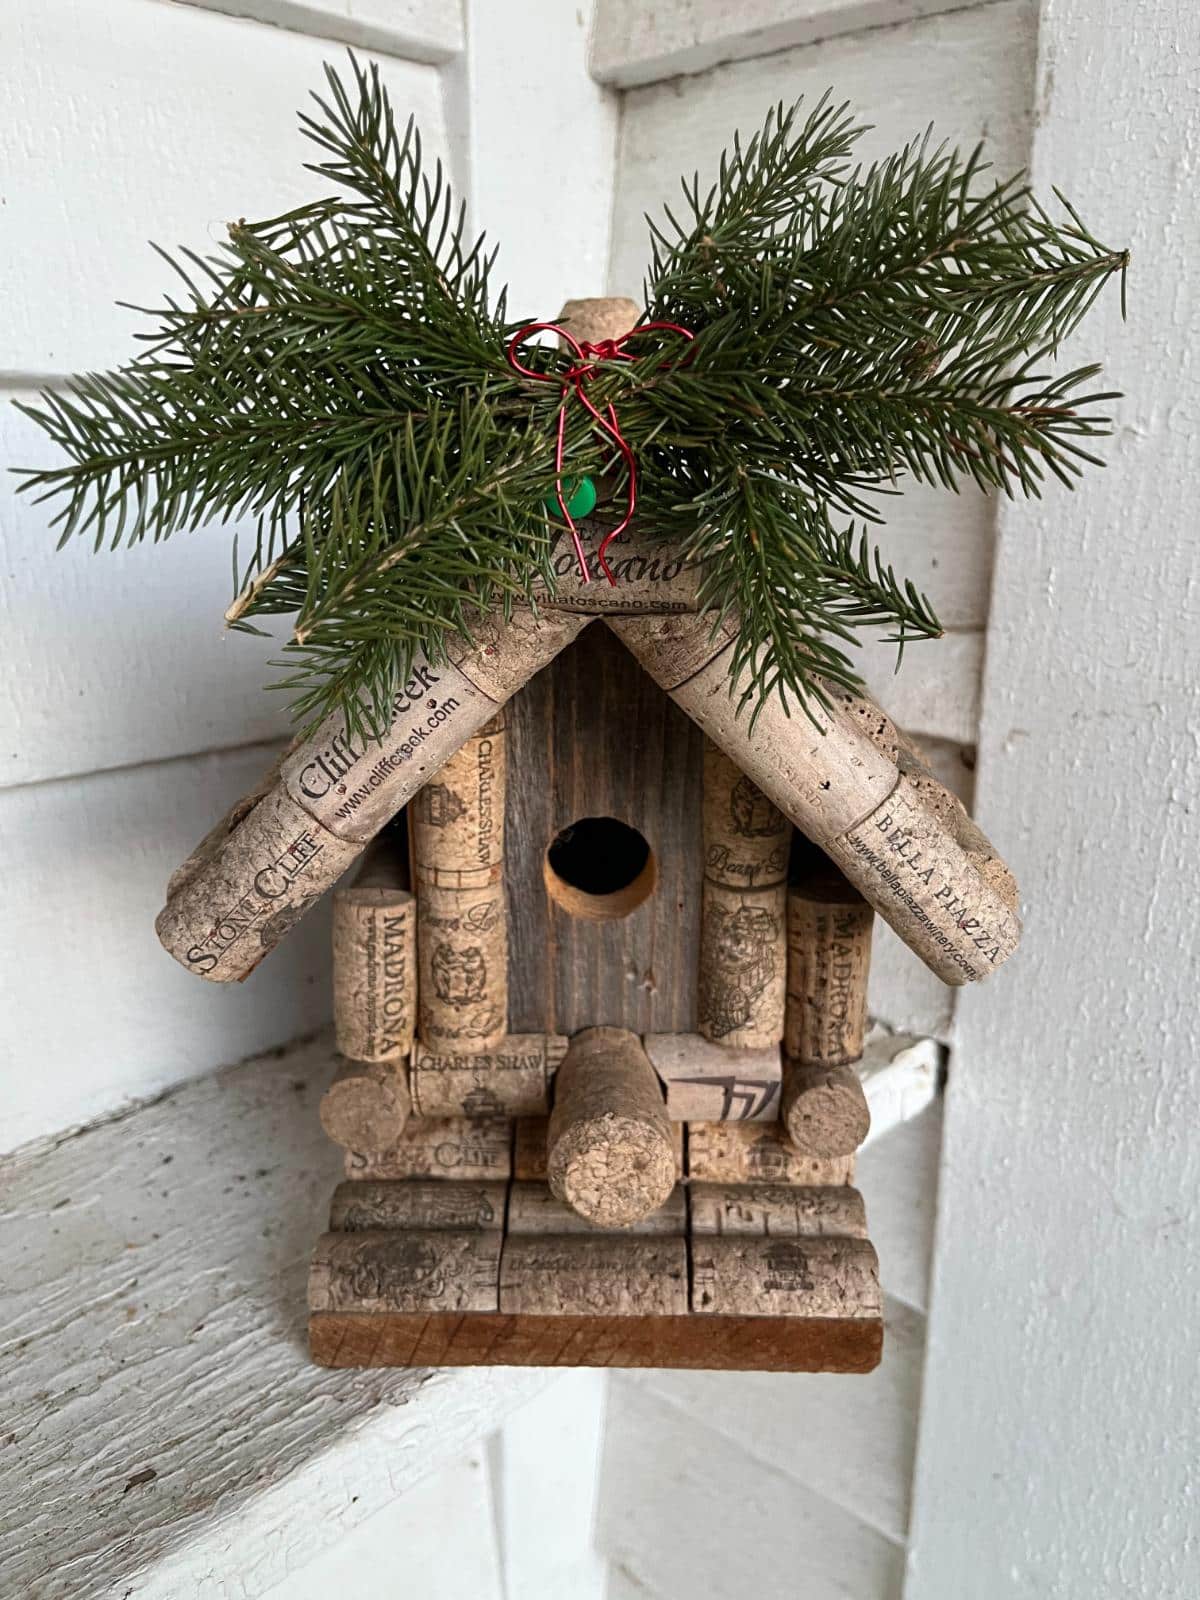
609,1146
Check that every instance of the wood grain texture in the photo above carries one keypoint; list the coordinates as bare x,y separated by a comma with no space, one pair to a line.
154,1317
745,1344
592,735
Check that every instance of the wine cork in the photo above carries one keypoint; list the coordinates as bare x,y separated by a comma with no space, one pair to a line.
706,1082
245,896
529,1148
462,915
746,838
367,1105
651,579
511,1079
743,965
844,792
458,817
462,962
930,792
598,317
406,1271
740,1152
829,959
609,1152
533,1209
417,1203
825,1111
336,790
466,1148
776,1210
216,835
930,889
375,960
598,1275
353,784
802,1277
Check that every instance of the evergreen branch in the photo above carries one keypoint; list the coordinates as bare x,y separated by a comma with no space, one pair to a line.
338,374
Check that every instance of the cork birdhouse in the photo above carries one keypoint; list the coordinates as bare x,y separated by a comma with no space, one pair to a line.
600,959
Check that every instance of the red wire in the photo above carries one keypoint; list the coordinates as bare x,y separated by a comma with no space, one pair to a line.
572,381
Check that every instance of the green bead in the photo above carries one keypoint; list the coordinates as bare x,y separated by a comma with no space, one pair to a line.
580,498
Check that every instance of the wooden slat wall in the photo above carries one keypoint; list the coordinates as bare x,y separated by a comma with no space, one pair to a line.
593,736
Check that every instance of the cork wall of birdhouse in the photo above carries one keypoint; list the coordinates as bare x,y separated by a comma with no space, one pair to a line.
593,736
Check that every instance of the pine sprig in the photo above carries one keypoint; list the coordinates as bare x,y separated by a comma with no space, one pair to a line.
338,375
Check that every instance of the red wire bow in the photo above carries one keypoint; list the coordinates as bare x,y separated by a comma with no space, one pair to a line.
575,379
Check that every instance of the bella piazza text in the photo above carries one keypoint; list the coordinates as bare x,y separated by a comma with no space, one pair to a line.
945,899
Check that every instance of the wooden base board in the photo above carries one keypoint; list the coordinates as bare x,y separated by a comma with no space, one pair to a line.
494,1339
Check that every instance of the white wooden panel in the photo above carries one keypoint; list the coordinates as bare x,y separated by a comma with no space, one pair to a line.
419,30
849,1440
535,143
688,1512
1061,1430
622,1585
96,1013
165,1433
971,73
547,1468
121,656
935,689
135,121
434,1542
635,43
898,1179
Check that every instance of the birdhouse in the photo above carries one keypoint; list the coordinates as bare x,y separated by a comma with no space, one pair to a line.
600,983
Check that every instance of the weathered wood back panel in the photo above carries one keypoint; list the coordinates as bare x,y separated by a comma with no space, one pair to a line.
592,736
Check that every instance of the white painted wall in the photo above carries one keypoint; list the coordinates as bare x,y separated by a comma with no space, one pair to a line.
971,74
1061,1434
1059,1420
129,722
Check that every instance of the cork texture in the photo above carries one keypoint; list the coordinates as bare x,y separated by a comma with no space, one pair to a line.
609,1148
462,954
533,1209
374,1203
932,892
739,1152
650,578
832,773
673,649
760,1210
598,1274
504,652
457,818
598,317
529,1148
743,966
374,972
248,894
511,1079
797,1277
825,1111
219,832
746,838
829,929
706,1082
353,785
465,1148
409,1271
367,1106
